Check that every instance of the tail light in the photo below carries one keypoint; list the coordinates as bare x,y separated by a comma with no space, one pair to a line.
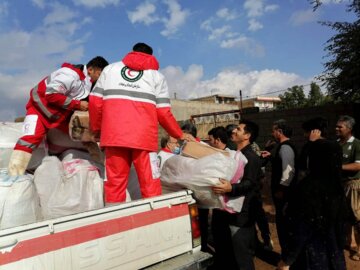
195,227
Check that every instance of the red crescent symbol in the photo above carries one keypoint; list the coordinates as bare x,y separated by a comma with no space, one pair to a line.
129,73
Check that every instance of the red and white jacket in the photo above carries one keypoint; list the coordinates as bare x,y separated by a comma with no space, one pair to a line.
57,95
128,101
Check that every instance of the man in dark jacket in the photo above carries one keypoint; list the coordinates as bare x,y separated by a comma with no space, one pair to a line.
234,233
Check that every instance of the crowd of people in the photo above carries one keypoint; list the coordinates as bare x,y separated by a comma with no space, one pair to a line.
316,192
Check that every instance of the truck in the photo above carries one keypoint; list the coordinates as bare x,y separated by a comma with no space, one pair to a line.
153,233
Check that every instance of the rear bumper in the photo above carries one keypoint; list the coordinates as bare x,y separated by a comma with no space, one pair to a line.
190,261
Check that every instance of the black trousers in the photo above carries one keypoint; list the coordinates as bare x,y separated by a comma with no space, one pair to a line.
280,221
204,224
234,246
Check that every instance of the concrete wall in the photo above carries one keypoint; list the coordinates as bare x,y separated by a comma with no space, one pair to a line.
183,109
297,116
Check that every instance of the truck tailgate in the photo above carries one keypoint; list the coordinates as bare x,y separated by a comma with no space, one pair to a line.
127,236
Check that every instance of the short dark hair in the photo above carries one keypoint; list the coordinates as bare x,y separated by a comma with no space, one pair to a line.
97,62
219,133
251,128
189,128
164,140
319,123
282,124
229,129
142,47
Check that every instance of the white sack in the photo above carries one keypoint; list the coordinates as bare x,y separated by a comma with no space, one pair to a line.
19,202
9,135
199,175
76,187
82,154
47,177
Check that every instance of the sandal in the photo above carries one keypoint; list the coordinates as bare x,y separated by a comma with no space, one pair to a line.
355,256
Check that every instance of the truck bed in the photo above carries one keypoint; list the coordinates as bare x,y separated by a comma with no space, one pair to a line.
130,235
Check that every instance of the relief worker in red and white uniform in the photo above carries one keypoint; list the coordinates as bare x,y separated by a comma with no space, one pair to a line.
50,105
128,101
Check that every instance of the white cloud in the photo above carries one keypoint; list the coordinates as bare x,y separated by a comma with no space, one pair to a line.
177,17
254,25
226,14
206,25
188,84
244,43
39,3
304,16
27,56
183,83
325,2
59,14
219,32
257,8
144,13
96,3
270,8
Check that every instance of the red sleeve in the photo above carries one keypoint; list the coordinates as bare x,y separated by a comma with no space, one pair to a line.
62,101
95,113
168,122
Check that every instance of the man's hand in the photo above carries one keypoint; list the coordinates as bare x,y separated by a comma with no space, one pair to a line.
223,187
265,154
84,105
282,266
187,137
315,134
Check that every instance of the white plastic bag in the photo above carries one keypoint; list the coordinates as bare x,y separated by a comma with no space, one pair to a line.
82,154
9,135
19,202
199,175
77,187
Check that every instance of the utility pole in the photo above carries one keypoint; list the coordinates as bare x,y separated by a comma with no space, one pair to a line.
240,93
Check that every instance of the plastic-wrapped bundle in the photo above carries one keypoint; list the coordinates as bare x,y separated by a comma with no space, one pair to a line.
19,201
199,175
68,187
9,135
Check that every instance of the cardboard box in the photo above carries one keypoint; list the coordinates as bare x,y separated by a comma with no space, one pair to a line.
79,127
198,150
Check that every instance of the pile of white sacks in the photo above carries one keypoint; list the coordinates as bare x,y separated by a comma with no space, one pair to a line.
59,187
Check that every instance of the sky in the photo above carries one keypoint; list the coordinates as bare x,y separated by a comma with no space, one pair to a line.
204,47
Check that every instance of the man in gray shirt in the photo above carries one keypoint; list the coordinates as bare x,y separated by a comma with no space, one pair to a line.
282,174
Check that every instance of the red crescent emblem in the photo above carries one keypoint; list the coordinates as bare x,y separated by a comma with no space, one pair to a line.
129,72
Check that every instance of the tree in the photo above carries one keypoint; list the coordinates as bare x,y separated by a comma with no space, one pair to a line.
315,97
294,97
342,71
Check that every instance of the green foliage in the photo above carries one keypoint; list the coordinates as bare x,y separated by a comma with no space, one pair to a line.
295,97
342,69
315,97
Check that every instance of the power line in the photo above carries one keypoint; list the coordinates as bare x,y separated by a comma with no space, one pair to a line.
277,91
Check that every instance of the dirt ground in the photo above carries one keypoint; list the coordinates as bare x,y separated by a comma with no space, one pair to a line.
268,261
